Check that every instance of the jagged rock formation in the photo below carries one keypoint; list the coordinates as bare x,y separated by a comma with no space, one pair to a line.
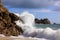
7,22
42,21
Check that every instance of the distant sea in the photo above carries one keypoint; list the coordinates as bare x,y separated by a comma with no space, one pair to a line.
53,26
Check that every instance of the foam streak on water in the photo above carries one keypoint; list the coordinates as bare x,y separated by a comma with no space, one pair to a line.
31,32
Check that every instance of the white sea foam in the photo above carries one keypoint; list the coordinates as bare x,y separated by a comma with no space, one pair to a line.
28,20
37,34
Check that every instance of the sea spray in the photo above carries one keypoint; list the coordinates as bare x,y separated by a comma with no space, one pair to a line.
31,31
28,20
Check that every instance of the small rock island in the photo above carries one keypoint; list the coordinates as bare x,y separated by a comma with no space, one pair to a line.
42,21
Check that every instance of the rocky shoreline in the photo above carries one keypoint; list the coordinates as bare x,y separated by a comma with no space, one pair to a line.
7,22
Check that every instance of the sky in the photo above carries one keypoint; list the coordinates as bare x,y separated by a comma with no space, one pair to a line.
39,8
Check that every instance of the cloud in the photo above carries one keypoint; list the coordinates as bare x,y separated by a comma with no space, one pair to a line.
32,4
28,3
45,10
42,10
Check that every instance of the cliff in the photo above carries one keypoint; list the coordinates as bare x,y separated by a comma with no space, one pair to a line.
7,22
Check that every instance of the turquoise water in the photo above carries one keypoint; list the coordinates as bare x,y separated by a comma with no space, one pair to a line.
54,26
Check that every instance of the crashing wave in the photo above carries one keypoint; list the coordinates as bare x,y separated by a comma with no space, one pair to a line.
31,32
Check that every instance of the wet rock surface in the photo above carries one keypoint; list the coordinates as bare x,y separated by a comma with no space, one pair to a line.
7,23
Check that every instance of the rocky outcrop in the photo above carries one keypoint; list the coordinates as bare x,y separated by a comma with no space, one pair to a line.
54,23
7,23
42,21
37,21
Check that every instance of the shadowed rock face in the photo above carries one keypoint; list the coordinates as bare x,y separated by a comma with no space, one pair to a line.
42,21
7,23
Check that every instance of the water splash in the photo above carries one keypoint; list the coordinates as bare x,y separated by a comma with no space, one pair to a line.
31,31
28,20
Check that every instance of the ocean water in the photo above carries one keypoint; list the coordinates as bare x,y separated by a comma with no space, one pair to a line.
34,31
53,26
37,31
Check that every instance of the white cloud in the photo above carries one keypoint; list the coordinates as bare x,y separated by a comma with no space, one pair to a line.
45,10
42,10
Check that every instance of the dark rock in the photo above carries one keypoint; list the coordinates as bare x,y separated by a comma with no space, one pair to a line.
14,17
42,21
54,23
37,21
46,21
